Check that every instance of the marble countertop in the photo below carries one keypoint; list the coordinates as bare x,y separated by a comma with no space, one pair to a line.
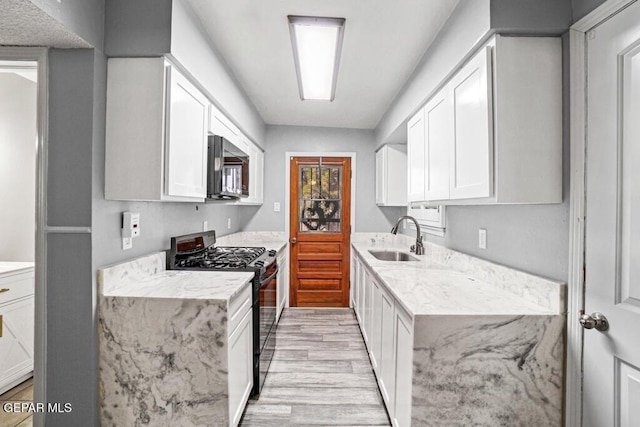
435,286
146,277
11,267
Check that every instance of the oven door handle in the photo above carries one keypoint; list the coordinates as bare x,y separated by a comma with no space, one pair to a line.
268,279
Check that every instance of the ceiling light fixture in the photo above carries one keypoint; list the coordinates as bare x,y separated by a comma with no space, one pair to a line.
317,43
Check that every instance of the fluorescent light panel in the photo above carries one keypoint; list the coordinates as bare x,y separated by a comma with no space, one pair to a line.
317,43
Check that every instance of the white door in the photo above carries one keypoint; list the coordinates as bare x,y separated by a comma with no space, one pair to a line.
611,388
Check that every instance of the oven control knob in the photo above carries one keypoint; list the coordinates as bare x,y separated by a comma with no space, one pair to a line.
259,263
272,252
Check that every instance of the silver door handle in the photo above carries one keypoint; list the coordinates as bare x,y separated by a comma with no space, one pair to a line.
595,321
294,240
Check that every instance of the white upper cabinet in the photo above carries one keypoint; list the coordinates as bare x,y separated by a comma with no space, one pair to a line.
187,141
470,132
416,157
493,133
156,133
391,175
438,136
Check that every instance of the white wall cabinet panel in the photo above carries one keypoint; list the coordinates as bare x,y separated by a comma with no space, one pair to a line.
391,175
427,216
416,157
439,136
256,173
155,133
220,125
187,141
240,367
471,152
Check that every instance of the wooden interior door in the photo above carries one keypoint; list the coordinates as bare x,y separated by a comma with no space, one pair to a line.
320,231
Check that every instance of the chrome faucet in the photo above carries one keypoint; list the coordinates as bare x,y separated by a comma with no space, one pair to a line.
418,248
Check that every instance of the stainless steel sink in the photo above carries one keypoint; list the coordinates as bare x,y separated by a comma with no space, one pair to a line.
393,256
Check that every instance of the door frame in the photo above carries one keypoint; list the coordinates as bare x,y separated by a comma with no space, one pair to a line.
287,198
40,56
578,140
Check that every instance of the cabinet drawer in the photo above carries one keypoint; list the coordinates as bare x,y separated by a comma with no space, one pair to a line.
238,307
18,285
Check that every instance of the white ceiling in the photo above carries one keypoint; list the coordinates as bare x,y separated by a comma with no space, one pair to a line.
383,42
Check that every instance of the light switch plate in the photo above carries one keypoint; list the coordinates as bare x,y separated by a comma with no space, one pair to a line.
276,206
127,243
482,238
205,225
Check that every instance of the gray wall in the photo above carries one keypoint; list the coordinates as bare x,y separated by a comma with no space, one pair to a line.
70,297
17,167
281,139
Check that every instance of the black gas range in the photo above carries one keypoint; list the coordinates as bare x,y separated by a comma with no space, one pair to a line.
198,252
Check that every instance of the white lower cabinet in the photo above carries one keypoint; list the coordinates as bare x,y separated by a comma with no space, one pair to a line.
16,327
376,326
283,280
403,349
388,332
240,363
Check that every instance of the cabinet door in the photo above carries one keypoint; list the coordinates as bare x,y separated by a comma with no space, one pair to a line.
472,148
366,305
386,364
240,368
403,368
356,287
16,344
186,140
438,119
259,176
220,125
283,281
381,178
376,325
415,157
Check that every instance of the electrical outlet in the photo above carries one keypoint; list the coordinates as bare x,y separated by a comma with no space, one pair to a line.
482,238
127,243
229,223
205,225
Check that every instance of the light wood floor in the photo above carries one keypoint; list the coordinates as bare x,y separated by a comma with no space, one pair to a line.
20,393
320,375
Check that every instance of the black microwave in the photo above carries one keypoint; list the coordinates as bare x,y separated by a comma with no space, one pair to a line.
227,170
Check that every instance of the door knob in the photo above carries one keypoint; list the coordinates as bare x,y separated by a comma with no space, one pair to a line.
294,240
594,321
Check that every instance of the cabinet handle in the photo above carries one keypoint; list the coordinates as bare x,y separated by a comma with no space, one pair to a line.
3,290
0,325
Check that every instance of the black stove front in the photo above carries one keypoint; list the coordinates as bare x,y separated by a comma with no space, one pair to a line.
198,252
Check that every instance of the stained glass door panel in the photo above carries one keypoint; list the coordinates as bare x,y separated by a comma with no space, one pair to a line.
320,198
